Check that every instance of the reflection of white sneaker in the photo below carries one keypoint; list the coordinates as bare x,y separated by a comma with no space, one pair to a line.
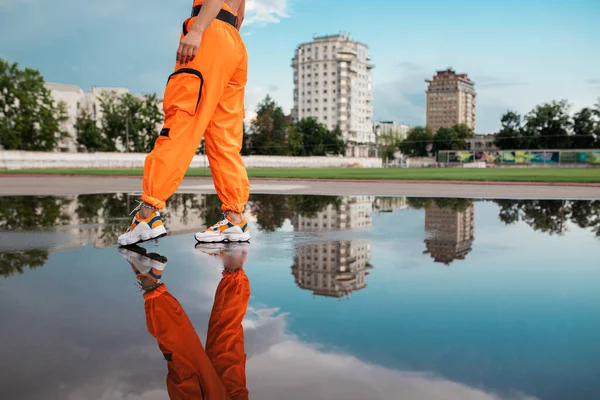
144,264
216,249
142,230
225,231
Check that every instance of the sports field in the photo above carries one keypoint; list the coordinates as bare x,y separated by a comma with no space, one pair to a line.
585,175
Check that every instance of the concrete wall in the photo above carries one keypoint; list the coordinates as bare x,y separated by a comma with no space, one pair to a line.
27,160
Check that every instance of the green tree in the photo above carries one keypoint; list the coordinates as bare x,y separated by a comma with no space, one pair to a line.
89,136
389,143
152,120
418,203
15,262
585,129
30,118
453,138
31,212
417,142
295,141
271,211
245,141
308,137
132,136
335,142
309,205
113,122
269,129
510,136
548,125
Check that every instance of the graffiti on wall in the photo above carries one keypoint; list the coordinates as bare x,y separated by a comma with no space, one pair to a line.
521,157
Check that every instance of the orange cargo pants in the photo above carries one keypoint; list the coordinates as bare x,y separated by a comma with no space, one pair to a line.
219,373
204,97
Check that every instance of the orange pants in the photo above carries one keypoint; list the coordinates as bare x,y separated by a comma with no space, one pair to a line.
219,373
204,97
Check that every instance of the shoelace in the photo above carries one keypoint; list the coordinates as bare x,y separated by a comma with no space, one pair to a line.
140,205
222,222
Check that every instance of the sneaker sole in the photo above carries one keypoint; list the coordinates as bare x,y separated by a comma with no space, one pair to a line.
234,238
146,237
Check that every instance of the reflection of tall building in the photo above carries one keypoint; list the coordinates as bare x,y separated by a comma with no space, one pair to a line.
450,233
332,269
390,204
354,212
336,268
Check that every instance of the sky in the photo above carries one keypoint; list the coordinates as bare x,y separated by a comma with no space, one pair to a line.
519,53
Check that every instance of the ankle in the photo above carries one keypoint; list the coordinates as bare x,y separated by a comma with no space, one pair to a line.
234,217
146,212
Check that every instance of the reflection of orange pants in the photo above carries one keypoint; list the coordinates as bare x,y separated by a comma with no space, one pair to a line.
204,97
219,373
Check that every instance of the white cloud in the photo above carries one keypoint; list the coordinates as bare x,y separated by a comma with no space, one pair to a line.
266,11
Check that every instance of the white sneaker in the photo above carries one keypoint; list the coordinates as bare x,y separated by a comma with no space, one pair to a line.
142,230
225,231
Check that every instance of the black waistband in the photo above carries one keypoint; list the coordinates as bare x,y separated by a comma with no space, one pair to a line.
223,15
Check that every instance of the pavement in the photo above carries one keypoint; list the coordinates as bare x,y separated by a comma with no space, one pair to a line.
13,185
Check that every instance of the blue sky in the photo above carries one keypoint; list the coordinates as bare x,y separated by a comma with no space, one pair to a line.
519,53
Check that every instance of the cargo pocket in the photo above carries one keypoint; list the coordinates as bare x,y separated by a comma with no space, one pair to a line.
183,92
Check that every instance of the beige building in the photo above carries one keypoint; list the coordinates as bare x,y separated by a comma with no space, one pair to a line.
334,268
75,99
333,84
450,100
450,233
386,130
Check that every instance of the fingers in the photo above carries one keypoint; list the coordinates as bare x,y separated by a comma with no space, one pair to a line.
186,53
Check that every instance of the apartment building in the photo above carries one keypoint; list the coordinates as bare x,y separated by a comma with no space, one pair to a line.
333,84
451,100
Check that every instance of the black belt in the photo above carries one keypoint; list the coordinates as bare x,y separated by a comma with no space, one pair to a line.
223,15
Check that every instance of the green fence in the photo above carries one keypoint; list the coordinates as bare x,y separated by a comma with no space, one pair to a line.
522,156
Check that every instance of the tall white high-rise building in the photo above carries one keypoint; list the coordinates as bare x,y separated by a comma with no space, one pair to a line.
333,84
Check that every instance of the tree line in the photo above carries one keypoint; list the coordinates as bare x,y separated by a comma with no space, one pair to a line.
272,133
547,126
30,119
550,126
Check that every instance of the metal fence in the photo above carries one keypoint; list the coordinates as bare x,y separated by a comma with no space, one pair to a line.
520,157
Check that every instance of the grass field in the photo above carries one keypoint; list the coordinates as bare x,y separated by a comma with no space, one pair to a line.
586,175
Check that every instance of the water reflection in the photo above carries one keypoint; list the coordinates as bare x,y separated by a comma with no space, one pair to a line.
195,372
334,268
33,227
451,232
512,313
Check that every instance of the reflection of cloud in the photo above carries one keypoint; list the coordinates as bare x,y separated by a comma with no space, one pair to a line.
97,347
297,371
